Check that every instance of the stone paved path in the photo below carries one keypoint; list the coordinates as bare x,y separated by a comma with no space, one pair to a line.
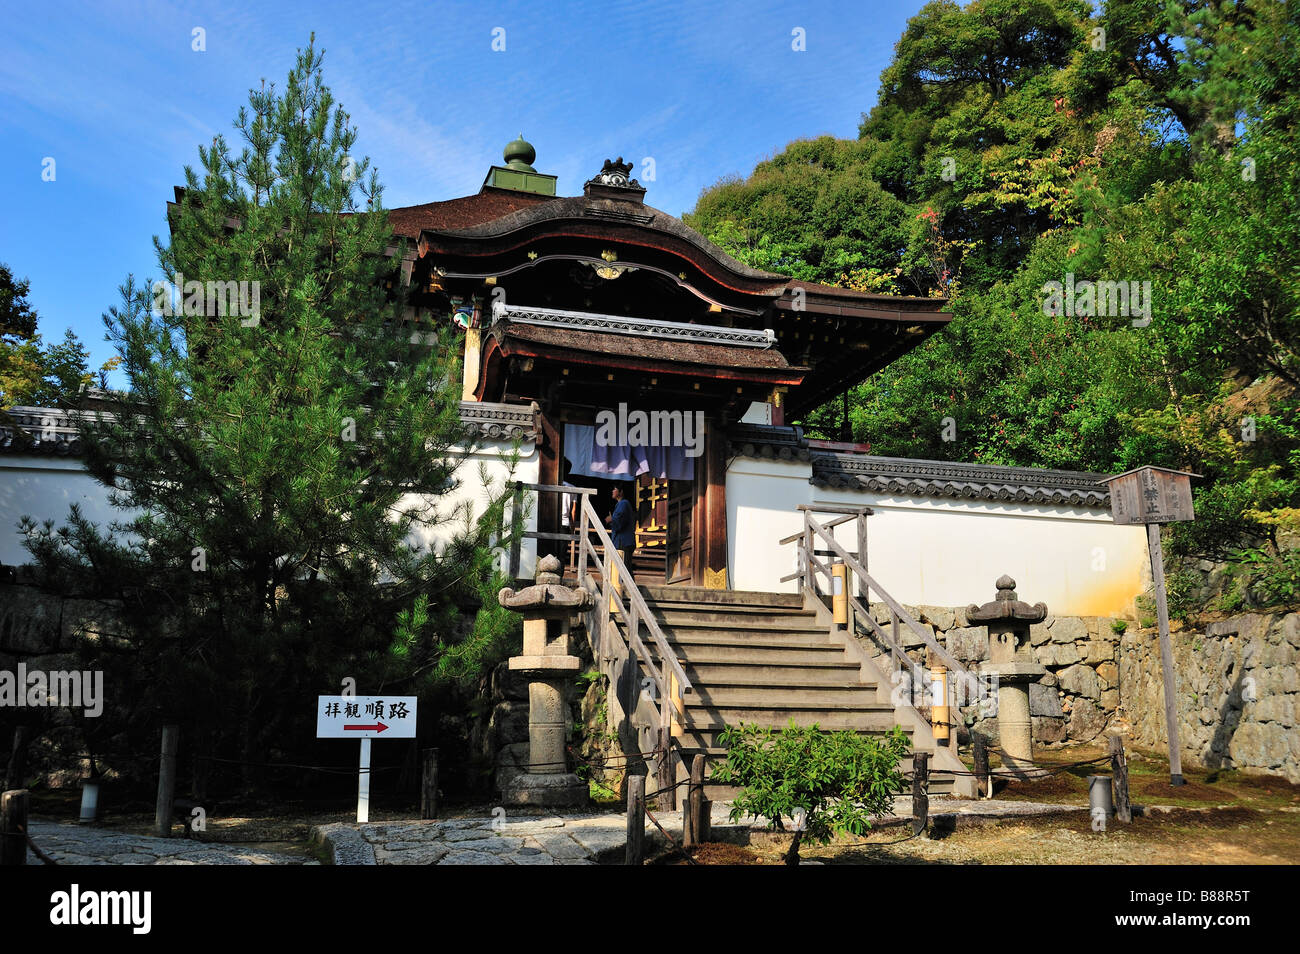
82,845
569,840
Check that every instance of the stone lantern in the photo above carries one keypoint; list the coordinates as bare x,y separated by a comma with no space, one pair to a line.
548,609
1011,660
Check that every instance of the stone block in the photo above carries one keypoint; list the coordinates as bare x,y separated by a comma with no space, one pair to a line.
1259,744
1081,681
1038,634
910,639
1098,651
1044,701
1086,720
1048,731
941,617
1109,700
1291,629
1058,654
1068,629
968,643
1108,673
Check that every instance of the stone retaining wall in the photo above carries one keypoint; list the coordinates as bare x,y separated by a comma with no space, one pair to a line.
1238,692
1238,683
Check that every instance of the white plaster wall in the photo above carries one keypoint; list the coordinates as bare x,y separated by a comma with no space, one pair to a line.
488,467
44,487
940,551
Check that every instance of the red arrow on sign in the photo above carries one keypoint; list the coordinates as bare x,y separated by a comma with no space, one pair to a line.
377,727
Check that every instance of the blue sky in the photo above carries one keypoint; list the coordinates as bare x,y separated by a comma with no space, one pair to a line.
116,95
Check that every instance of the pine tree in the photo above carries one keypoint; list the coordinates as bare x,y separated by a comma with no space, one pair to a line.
288,438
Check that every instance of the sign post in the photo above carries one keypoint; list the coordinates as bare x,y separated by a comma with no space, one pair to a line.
1154,496
365,718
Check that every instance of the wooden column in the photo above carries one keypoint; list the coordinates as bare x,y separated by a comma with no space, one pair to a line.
713,556
548,471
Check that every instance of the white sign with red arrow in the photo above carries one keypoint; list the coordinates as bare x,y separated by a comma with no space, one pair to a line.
365,717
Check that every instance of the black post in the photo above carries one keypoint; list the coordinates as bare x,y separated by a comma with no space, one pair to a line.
980,751
634,854
14,777
920,786
429,785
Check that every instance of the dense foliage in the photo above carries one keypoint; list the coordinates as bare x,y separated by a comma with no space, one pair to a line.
1021,142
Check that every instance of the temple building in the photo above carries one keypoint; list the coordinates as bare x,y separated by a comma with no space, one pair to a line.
601,309
608,343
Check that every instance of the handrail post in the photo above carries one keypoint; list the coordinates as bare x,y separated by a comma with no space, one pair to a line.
862,550
806,564
582,541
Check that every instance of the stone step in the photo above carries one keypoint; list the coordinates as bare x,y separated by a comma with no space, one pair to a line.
736,600
780,654
739,625
780,696
710,636
743,671
672,616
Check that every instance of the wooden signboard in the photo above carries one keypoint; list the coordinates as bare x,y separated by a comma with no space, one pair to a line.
1156,495
1151,495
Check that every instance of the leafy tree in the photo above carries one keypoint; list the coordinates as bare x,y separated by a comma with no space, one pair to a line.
32,373
284,452
826,782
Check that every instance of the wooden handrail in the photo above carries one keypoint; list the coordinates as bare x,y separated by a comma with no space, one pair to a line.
636,602
895,607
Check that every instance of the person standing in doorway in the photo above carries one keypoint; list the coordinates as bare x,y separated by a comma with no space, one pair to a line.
622,526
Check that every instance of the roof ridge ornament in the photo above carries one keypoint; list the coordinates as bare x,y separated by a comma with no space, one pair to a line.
616,172
614,181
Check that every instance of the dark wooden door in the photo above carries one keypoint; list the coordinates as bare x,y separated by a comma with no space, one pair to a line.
680,542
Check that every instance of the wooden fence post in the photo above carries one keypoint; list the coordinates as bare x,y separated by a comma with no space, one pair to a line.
692,820
667,797
635,851
920,785
980,751
14,776
1119,776
429,785
13,828
162,819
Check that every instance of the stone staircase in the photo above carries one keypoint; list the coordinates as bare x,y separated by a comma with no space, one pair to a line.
767,658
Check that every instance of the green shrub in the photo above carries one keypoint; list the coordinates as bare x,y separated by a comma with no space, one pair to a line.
1271,578
826,782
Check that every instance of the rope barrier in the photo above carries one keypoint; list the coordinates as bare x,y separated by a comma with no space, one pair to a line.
671,840
44,858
